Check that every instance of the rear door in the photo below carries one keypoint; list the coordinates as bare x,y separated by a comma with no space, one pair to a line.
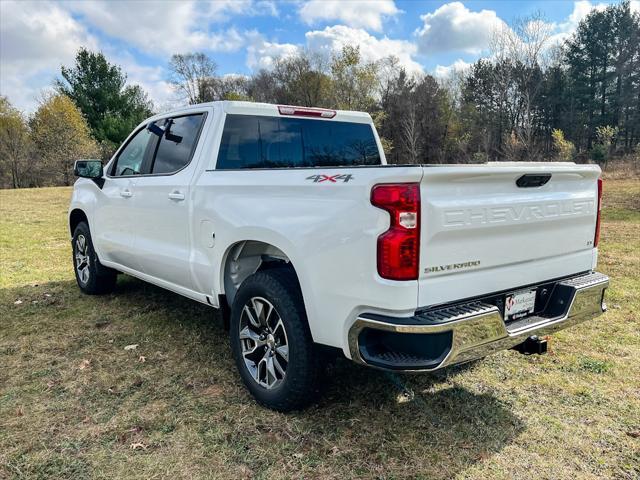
493,227
162,203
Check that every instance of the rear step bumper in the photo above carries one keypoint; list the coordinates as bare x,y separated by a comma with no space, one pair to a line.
438,337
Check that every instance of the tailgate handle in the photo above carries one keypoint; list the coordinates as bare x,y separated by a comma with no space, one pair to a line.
533,180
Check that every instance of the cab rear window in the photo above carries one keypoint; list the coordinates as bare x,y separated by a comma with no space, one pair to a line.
250,141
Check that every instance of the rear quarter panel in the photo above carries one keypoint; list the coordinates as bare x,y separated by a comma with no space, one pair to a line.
327,229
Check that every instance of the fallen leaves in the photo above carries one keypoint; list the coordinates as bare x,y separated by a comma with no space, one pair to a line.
131,347
213,391
84,364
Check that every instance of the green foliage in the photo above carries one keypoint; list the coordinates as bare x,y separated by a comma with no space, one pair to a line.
601,151
603,68
606,135
599,154
594,366
112,108
353,82
60,135
565,150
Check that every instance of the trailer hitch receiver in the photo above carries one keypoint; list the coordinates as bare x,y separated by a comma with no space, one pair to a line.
532,345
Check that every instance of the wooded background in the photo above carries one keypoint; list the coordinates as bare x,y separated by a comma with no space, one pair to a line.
530,99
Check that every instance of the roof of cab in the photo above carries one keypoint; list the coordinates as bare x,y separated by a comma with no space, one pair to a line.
266,109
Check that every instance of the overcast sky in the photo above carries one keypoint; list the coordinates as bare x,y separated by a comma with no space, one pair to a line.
246,35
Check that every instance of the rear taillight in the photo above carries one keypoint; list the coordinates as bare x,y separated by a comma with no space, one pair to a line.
399,246
306,111
596,238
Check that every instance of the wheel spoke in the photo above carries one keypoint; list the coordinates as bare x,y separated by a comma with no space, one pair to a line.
251,341
252,319
279,327
81,244
271,371
258,308
279,368
268,315
262,371
283,351
84,275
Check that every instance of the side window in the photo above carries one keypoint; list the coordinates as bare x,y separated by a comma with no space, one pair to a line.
239,147
130,160
177,143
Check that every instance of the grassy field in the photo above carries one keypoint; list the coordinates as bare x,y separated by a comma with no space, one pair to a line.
75,404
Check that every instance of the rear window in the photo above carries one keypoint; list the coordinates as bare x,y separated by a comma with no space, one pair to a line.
273,142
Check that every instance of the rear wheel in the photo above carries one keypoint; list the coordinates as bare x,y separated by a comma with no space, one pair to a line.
271,342
92,277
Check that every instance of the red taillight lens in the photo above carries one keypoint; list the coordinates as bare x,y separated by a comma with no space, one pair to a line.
399,247
596,238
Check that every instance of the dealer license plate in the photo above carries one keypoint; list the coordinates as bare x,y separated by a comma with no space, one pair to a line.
519,304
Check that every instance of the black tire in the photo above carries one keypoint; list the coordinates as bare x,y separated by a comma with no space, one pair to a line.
94,278
303,380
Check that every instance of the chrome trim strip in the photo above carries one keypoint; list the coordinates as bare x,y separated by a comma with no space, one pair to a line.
477,335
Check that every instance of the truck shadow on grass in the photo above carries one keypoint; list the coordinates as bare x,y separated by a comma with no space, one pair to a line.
367,423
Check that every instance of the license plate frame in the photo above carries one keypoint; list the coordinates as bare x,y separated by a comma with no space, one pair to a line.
519,304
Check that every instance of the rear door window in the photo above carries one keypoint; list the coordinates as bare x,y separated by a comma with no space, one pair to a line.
273,142
177,144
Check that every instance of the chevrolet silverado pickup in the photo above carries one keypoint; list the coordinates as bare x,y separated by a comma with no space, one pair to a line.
291,222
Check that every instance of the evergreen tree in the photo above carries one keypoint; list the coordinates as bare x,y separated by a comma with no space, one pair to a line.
112,108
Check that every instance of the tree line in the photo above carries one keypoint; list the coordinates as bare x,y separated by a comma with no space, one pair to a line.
528,100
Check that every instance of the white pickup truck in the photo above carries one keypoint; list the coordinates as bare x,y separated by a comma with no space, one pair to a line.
291,222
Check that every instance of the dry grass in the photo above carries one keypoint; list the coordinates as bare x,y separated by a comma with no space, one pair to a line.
75,404
623,168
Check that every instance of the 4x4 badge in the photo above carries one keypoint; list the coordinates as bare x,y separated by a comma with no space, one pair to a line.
330,178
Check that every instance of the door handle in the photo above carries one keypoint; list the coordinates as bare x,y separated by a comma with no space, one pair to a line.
176,196
126,193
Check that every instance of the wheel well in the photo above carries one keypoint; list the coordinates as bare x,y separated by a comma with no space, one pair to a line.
247,257
75,218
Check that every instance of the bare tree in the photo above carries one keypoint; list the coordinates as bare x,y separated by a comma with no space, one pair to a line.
411,134
520,53
193,75
15,146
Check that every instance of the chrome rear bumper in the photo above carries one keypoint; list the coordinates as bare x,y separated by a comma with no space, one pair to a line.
467,331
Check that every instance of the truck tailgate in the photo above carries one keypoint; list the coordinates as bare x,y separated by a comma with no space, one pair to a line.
482,233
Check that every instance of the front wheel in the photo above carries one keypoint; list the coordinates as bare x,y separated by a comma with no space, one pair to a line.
271,342
93,278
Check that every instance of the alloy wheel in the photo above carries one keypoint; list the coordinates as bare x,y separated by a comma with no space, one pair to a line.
82,258
263,339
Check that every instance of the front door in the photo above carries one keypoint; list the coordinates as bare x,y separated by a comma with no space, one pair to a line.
113,229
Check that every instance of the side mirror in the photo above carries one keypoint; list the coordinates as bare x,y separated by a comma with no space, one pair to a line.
155,129
88,169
